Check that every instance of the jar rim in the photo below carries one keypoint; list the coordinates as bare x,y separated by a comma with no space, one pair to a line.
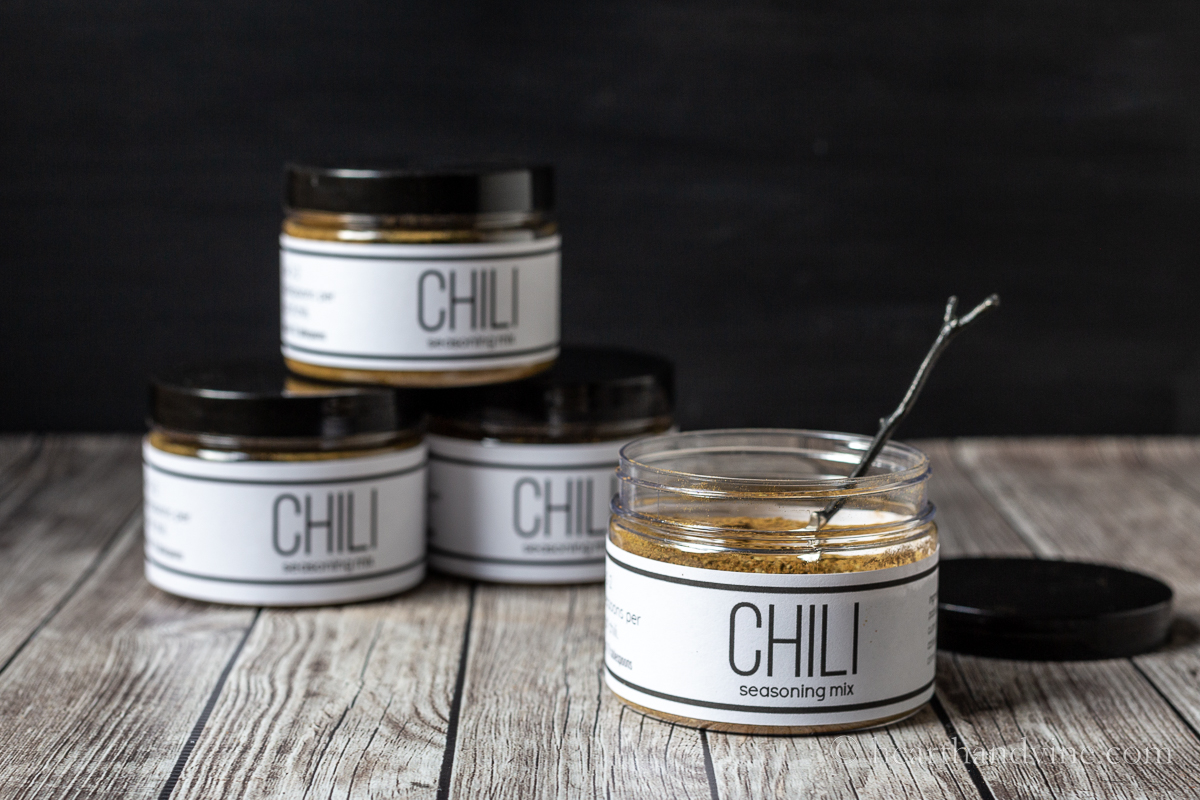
789,539
641,459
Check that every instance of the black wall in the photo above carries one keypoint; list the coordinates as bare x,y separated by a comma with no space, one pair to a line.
779,196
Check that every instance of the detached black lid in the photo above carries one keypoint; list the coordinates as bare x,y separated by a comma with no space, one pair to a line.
1046,610
260,399
449,190
585,385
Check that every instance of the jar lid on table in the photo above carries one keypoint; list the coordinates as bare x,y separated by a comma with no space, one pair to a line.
471,189
1049,609
259,398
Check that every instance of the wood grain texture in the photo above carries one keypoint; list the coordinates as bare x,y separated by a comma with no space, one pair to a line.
1091,500
15,449
100,702
1175,459
62,499
1091,729
537,721
911,759
967,523
356,701
1176,669
350,701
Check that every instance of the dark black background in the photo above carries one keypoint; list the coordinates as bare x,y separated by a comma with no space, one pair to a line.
779,196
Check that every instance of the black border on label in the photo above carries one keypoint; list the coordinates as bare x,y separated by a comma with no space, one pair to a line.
530,254
772,709
582,562
463,357
531,467
376,477
314,582
859,587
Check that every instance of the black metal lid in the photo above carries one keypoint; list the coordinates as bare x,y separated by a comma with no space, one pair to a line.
586,385
1046,610
260,399
445,190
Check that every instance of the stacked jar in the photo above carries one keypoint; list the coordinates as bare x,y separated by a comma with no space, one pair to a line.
521,474
303,481
419,279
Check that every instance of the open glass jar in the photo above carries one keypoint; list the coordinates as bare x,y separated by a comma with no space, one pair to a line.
728,607
427,278
264,490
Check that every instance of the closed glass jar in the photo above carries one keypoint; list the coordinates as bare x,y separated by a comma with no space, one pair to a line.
729,607
263,490
426,278
521,474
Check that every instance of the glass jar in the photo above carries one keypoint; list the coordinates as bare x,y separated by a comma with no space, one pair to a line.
521,474
419,278
729,607
261,490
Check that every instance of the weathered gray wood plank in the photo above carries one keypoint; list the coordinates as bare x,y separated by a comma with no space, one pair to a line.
1086,499
354,701
911,759
537,721
1175,458
1103,500
350,701
15,451
967,523
62,499
1091,499
1090,729
100,702
1176,669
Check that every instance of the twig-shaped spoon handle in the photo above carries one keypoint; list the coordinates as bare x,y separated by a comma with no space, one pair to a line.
951,326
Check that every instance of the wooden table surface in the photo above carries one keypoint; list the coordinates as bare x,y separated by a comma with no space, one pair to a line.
111,688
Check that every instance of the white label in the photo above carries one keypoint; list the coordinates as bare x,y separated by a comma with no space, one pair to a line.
771,650
419,307
285,532
534,513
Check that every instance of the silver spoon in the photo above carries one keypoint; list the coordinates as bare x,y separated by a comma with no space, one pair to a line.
951,326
